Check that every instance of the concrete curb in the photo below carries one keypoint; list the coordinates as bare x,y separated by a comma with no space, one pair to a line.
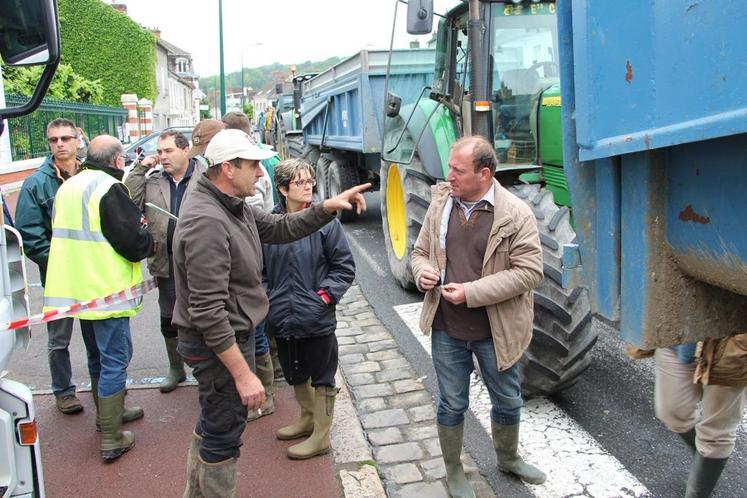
355,466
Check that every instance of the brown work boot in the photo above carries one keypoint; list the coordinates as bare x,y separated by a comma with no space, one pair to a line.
68,403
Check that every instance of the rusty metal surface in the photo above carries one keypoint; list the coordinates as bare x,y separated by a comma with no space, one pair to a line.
155,467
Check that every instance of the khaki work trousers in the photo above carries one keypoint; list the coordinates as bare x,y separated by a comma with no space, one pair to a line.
676,400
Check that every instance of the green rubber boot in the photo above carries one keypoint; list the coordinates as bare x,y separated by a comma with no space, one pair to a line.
193,466
130,414
176,366
304,426
704,474
267,377
318,442
217,480
114,441
506,444
451,439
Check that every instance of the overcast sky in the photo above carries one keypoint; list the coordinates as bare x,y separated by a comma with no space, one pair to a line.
290,31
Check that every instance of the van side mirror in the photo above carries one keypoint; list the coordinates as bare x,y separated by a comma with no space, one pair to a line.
419,17
29,32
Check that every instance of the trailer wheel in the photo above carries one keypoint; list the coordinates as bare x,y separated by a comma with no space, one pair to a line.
562,338
405,196
339,179
293,146
322,171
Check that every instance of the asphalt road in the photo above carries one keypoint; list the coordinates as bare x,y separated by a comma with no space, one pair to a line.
612,401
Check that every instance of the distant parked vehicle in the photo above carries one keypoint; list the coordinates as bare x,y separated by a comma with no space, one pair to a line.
146,146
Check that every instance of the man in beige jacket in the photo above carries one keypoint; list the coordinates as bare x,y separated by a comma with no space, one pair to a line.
478,257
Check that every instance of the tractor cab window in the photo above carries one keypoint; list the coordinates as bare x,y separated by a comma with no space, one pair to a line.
524,51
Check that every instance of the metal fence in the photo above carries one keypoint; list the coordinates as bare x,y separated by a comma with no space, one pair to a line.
28,134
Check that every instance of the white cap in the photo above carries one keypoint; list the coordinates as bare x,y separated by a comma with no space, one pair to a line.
234,144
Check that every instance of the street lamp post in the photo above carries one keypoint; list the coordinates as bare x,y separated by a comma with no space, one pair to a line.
222,72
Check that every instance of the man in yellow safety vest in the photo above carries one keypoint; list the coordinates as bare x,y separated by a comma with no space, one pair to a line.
98,241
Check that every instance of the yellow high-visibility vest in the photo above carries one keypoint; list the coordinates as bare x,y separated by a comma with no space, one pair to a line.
82,264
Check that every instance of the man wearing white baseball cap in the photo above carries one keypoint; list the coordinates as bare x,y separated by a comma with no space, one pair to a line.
219,297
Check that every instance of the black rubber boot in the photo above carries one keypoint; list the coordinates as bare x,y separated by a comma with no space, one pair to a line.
688,437
704,474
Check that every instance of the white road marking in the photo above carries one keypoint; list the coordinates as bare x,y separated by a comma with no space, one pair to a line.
575,464
369,259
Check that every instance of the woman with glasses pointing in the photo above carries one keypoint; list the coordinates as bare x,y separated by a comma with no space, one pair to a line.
304,281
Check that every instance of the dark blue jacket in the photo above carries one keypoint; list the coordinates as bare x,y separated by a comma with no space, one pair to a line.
34,213
293,273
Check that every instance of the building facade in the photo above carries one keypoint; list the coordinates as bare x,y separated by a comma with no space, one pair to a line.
178,100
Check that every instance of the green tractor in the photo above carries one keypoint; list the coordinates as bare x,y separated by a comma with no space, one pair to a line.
496,75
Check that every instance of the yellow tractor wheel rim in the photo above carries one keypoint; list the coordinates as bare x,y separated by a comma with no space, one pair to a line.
395,211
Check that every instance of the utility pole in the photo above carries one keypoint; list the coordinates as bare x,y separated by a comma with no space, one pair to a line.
222,72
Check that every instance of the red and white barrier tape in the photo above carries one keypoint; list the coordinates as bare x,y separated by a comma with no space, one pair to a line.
94,304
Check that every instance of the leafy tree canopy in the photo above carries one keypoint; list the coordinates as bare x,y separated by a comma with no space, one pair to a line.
66,85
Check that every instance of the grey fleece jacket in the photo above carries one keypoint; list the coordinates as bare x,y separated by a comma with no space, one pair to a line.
218,263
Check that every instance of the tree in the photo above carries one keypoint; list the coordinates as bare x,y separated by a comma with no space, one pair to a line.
100,43
66,85
248,110
204,114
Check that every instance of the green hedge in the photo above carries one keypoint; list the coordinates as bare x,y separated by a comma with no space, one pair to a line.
103,44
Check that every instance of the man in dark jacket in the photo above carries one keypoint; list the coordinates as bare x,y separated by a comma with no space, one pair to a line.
220,299
34,222
165,188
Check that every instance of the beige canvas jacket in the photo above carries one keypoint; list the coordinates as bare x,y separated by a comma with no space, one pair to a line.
511,269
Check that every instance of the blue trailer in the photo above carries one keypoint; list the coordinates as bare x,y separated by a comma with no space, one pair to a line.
341,114
655,133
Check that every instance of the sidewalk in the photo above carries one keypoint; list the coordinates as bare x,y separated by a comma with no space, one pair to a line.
384,435
396,412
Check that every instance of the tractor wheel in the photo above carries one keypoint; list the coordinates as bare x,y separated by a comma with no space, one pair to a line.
340,178
561,345
405,196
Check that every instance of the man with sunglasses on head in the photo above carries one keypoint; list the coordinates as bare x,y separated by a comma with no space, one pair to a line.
34,222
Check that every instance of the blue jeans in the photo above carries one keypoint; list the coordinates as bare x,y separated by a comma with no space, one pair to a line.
261,344
59,333
452,359
115,352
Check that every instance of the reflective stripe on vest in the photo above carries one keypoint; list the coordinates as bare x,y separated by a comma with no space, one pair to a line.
82,264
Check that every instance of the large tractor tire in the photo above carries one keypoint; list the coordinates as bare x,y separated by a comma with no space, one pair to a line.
561,345
341,177
405,196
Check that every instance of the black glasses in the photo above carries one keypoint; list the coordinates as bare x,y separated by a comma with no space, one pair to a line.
65,139
301,183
